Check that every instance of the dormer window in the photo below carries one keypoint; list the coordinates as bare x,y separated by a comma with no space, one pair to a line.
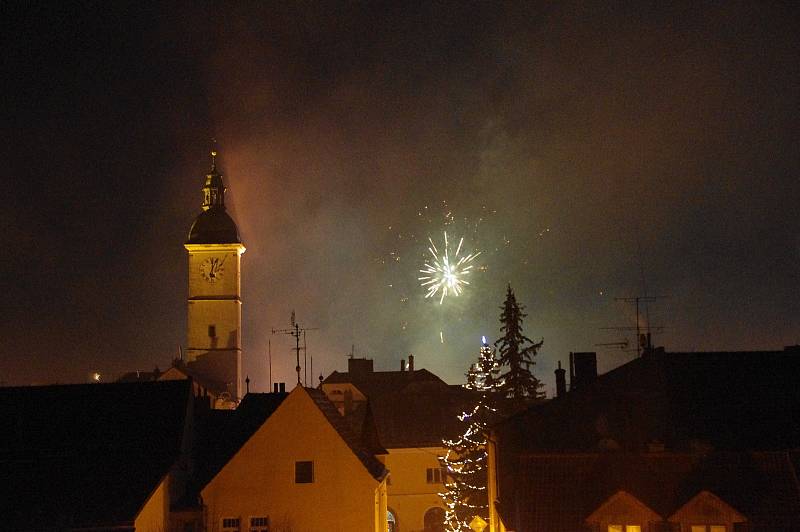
706,512
622,512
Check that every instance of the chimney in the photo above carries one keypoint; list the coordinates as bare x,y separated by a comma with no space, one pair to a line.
403,365
583,369
282,387
561,381
359,366
410,362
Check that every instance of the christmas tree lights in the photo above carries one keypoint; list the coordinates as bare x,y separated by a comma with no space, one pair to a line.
465,494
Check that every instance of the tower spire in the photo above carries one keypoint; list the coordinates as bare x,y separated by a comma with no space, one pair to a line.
214,188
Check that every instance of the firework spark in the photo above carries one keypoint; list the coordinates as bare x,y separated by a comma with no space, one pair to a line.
445,274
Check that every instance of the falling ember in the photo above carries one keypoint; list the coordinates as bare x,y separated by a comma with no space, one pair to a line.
444,274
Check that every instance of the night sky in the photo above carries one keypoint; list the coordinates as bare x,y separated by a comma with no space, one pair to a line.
589,151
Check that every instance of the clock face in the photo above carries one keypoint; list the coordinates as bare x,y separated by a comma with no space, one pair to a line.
211,269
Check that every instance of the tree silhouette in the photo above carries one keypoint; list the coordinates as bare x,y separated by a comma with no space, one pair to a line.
517,353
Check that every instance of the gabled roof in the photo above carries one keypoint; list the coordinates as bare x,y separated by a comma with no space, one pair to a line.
87,455
705,503
624,503
365,455
567,488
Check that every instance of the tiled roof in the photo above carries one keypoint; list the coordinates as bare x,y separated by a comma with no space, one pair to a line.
87,455
338,422
556,493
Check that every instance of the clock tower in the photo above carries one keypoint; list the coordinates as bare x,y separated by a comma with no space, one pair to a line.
214,325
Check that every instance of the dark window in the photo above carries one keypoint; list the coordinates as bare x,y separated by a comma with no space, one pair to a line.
303,472
230,524
259,524
435,475
212,331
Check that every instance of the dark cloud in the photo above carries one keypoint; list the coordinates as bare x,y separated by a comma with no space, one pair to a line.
656,143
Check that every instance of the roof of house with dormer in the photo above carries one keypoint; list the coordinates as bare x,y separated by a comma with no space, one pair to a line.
568,488
663,427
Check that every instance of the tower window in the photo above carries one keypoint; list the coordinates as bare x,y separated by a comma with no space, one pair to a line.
212,331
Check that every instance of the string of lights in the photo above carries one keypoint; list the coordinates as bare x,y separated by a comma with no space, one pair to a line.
465,494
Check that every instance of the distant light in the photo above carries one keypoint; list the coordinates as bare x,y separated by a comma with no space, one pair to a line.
96,377
483,340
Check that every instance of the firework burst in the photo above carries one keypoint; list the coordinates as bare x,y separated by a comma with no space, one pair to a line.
445,274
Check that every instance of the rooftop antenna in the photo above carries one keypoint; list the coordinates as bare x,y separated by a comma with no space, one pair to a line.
643,341
296,331
622,344
269,358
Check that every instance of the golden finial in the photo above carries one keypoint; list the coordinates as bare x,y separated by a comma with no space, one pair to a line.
213,161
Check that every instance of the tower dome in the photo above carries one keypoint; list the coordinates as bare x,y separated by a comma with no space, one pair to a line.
214,225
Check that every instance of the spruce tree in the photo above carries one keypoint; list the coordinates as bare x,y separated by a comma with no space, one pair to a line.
465,494
517,353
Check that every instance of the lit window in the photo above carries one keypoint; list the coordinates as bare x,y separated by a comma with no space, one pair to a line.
624,528
303,472
230,524
259,524
435,475
708,528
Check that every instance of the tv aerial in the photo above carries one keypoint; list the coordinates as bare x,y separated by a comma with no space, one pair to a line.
296,331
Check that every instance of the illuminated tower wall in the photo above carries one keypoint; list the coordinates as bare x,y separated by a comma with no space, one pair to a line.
214,317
